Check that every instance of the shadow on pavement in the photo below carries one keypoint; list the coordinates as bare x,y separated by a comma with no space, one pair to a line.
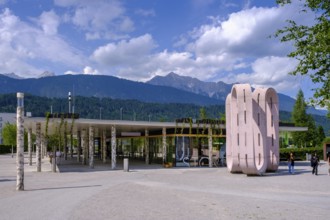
65,187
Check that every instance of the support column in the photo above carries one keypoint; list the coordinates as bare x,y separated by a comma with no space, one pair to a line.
113,147
91,147
42,146
104,145
71,143
20,142
84,146
146,144
38,146
164,145
210,147
65,149
30,146
79,145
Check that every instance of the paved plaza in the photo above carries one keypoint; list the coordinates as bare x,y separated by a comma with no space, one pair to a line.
153,192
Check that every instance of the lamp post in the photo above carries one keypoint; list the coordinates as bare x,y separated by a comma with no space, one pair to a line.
69,97
20,142
121,113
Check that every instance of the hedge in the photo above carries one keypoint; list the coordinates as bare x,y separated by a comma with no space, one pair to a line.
6,149
300,153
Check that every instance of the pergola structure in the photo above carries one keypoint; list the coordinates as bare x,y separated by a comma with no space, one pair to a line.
86,130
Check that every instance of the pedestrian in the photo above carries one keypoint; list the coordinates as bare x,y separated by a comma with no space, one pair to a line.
291,163
315,163
58,157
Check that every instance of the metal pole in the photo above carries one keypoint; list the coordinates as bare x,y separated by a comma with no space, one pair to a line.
69,96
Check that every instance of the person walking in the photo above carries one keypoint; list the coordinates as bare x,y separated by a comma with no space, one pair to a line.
315,163
291,163
58,157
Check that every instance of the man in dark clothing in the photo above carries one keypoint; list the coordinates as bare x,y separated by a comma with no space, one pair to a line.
314,163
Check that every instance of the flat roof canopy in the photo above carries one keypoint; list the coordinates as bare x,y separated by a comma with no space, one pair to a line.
128,128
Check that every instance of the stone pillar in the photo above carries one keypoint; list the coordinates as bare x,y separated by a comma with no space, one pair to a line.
210,147
71,144
104,145
30,146
91,147
79,145
42,146
113,147
84,146
146,144
38,146
164,144
20,142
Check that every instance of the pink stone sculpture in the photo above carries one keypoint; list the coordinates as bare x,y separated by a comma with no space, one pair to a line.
252,130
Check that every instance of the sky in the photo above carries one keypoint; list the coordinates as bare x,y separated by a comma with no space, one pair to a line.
212,40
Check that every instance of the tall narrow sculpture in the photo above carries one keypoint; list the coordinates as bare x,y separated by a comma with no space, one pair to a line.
252,130
20,142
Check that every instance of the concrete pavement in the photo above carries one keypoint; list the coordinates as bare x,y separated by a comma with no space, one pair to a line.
153,192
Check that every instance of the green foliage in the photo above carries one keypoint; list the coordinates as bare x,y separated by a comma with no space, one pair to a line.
300,153
9,134
89,107
6,149
312,137
312,47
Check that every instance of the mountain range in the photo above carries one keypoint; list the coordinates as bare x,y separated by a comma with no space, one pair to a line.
171,88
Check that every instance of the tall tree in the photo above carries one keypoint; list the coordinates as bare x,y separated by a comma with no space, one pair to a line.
312,47
301,118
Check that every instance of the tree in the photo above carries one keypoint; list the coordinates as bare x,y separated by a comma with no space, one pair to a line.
312,47
302,119
9,134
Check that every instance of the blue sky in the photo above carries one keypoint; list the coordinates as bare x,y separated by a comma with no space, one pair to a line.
212,40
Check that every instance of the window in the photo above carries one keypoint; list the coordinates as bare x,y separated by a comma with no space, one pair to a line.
245,117
258,139
237,139
258,119
237,120
272,139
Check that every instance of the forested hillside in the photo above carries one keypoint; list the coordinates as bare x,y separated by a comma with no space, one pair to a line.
107,108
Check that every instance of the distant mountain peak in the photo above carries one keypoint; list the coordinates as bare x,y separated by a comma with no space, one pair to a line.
12,75
215,90
46,74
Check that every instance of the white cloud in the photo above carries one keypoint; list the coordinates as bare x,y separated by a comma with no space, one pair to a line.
237,49
29,51
90,71
49,21
100,19
125,53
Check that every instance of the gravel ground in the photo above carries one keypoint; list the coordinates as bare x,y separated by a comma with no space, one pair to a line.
153,192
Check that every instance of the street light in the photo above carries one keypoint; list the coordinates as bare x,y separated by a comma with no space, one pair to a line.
69,97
